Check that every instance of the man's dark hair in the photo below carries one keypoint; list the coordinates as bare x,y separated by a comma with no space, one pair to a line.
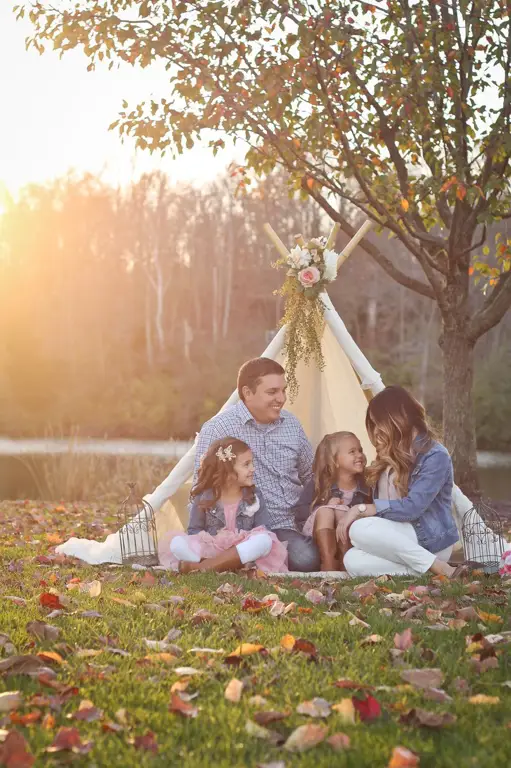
251,373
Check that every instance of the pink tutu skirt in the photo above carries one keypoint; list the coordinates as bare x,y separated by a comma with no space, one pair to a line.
206,546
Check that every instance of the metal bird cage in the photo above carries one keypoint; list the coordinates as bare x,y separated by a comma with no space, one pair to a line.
137,533
482,535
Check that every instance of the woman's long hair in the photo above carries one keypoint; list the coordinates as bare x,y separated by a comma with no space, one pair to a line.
214,474
394,418
325,465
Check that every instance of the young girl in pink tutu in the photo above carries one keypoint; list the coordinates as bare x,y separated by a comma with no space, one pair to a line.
226,528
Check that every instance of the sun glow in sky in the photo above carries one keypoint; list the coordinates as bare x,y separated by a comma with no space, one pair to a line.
55,117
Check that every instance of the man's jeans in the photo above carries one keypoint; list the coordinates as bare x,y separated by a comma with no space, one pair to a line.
303,554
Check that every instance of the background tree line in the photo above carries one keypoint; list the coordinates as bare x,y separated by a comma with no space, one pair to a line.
127,312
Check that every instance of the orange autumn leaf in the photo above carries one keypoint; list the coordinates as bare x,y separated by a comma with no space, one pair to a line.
461,192
51,656
288,642
489,616
403,758
246,649
405,205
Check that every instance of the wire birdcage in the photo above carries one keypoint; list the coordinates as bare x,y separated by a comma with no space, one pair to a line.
483,541
137,533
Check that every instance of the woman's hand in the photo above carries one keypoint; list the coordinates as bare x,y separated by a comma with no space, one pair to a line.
343,527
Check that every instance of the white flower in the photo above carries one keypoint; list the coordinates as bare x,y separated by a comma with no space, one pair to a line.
299,257
330,270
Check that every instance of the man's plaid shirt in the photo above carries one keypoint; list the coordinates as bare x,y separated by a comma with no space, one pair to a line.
282,457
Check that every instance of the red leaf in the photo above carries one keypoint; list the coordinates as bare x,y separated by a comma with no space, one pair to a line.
182,707
252,605
26,719
147,742
368,708
305,646
50,600
69,739
14,752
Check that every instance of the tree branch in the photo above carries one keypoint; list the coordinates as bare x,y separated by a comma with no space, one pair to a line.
494,308
400,277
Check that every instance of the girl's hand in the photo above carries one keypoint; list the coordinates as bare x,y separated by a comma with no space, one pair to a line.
369,512
343,527
333,502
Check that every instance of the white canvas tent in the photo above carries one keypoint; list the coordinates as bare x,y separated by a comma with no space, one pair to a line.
329,400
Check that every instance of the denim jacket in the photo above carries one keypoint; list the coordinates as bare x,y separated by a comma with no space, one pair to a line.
303,508
428,503
212,520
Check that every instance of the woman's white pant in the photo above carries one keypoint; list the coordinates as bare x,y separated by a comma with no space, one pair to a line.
387,547
254,547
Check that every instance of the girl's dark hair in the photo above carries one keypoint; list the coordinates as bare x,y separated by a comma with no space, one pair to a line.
214,474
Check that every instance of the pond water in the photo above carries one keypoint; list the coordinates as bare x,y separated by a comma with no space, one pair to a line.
16,482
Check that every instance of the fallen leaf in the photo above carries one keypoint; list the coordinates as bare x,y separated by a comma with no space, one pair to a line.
468,614
43,631
346,709
490,617
436,694
246,649
277,609
270,716
276,764
48,722
491,662
234,690
305,737
14,752
367,589
316,707
404,640
481,698
91,588
253,729
371,640
22,665
423,717
253,605
202,616
10,700
315,596
187,671
403,758
51,657
49,600
122,601
368,708
304,646
147,741
182,707
339,741
29,718
423,678
356,622
69,739
87,712
456,623
287,642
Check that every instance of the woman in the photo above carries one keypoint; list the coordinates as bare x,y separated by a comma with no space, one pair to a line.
409,529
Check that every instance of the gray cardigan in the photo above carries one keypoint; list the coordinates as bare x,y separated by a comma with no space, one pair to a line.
213,520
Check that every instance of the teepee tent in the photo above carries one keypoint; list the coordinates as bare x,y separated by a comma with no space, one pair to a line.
329,400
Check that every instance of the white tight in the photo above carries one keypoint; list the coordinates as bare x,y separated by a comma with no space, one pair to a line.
254,547
387,547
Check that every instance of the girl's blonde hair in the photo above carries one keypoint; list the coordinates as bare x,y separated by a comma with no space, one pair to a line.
217,470
394,418
325,465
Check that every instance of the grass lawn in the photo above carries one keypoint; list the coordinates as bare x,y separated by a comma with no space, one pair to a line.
135,702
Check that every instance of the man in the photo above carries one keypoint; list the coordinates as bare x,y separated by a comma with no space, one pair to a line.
282,452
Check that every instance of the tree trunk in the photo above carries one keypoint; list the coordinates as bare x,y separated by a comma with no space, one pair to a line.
458,413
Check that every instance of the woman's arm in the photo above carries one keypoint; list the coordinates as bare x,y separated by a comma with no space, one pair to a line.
303,507
197,522
433,474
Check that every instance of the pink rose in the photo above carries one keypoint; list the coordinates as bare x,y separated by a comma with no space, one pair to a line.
309,276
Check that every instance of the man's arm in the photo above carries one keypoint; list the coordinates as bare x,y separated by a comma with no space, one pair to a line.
305,458
208,434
